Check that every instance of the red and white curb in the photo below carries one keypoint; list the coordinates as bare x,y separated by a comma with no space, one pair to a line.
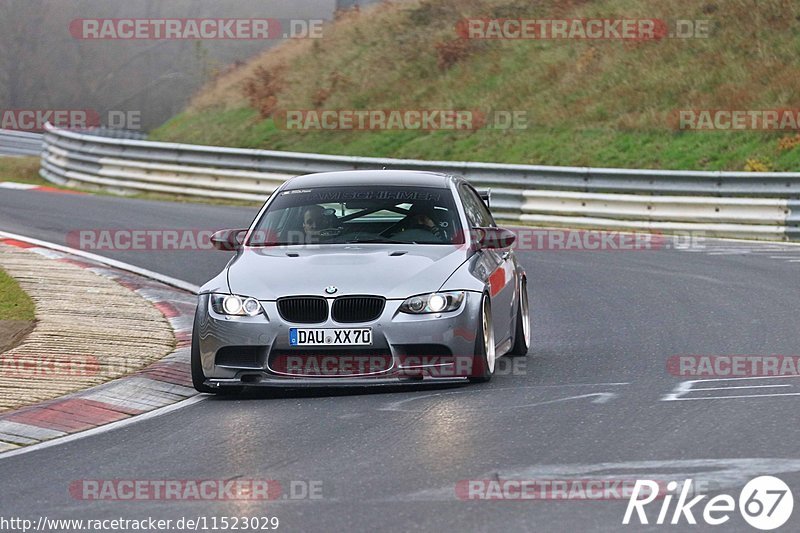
161,384
31,187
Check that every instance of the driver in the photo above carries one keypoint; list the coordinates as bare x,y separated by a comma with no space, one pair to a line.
421,217
315,219
312,219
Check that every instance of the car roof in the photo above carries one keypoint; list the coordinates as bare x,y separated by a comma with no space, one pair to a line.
412,178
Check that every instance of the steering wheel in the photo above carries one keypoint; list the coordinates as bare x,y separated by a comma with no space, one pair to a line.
434,230
391,230
437,229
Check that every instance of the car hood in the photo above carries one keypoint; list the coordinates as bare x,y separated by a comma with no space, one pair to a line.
392,271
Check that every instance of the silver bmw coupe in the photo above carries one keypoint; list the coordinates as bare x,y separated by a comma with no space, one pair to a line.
371,277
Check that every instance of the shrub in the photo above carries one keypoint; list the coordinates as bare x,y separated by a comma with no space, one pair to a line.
758,165
263,88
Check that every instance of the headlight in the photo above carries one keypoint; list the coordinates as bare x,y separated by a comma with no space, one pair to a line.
230,304
435,302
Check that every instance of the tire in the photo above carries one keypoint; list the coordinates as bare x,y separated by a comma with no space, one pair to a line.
198,378
483,362
522,332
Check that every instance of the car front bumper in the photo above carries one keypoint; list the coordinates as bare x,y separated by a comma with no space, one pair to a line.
421,348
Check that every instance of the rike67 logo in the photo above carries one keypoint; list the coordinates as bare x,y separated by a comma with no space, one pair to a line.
766,503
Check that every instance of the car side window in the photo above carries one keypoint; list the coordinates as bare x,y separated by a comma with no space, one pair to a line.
477,213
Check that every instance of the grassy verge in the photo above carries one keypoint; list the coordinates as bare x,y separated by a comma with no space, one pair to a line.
21,170
588,103
14,303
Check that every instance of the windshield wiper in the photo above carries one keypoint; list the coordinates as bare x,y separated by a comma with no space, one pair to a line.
378,240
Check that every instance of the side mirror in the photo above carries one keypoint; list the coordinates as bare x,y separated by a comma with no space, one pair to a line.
228,240
494,238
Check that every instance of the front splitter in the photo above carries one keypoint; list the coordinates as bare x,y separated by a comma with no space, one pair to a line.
273,381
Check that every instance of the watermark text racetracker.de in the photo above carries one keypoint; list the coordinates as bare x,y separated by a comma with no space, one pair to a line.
734,366
545,489
400,119
159,239
377,366
53,365
137,29
527,240
640,29
50,366
736,119
35,120
144,490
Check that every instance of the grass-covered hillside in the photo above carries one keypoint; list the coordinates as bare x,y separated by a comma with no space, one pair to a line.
587,102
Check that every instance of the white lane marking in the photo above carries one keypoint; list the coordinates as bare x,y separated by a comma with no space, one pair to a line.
752,241
738,396
748,378
20,186
106,428
174,282
602,397
685,387
726,253
742,387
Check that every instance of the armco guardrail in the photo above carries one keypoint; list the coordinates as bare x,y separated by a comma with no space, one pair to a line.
729,204
113,133
20,143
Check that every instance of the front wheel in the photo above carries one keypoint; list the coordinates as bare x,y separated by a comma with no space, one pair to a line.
483,361
522,333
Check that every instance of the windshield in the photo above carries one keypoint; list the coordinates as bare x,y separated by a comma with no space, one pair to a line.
363,214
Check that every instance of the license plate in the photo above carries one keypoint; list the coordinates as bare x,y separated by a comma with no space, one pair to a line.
330,337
